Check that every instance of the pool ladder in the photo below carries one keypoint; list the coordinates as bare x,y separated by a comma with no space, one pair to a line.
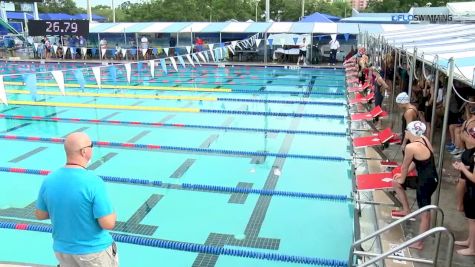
357,252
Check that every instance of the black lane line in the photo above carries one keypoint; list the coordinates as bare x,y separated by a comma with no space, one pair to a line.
82,129
251,233
137,103
183,168
167,118
110,116
96,164
240,198
8,109
310,86
228,122
132,225
207,143
138,136
28,154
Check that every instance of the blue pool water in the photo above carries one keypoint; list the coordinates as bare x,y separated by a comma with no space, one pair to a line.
253,127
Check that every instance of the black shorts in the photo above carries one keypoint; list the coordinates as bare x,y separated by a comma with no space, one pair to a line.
423,191
469,203
454,118
302,53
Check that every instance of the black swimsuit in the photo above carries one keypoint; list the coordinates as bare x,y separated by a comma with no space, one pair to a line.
404,123
469,196
426,178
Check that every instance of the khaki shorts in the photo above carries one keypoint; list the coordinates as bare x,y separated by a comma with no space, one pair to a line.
105,258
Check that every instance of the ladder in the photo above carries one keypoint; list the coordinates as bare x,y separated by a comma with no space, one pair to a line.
357,252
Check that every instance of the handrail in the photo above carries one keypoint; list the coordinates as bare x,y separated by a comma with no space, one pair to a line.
391,225
415,239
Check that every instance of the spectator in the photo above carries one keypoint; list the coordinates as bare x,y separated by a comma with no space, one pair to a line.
303,52
76,201
409,114
103,46
144,46
334,46
172,46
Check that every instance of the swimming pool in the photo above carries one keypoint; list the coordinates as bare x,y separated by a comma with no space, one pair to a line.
207,166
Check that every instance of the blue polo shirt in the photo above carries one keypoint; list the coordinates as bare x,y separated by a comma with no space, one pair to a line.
75,198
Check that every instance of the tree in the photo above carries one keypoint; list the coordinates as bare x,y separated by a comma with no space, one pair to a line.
60,6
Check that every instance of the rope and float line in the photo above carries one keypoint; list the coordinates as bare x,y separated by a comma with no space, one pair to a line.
166,97
177,125
166,148
175,109
192,247
195,187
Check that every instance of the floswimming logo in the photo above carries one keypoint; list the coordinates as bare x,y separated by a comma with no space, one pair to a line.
427,18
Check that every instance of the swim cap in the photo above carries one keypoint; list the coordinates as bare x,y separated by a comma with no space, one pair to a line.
402,98
417,128
471,132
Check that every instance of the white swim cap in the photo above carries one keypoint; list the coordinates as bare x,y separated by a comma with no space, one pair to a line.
417,128
402,98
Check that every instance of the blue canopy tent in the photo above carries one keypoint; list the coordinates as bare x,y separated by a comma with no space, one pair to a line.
55,16
319,17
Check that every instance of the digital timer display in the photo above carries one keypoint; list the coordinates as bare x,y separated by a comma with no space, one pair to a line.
58,27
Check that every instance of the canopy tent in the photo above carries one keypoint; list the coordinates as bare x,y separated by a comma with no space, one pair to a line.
243,27
455,41
18,15
288,39
318,17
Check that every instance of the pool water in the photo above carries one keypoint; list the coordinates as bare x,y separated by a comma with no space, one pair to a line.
222,130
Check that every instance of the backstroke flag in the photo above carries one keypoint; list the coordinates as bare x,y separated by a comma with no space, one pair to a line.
59,77
128,70
182,62
30,82
97,75
80,78
3,95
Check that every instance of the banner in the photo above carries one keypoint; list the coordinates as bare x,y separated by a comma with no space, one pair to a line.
269,41
124,52
59,77
295,40
83,51
97,75
196,58
347,36
212,55
30,82
3,95
144,52
182,62
188,49
172,59
80,78
258,42
152,67
103,52
200,54
36,48
210,46
55,48
164,65
206,55
190,60
166,50
128,71
233,44
231,49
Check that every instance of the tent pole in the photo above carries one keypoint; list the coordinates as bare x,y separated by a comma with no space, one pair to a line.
412,66
265,48
440,162
393,94
434,102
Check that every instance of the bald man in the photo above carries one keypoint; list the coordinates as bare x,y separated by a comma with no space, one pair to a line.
76,201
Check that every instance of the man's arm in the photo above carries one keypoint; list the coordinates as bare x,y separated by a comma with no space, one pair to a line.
41,215
108,222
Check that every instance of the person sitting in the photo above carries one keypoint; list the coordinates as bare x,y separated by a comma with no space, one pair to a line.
144,46
103,46
419,155
118,52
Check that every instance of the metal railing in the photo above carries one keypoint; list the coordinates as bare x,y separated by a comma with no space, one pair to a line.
438,229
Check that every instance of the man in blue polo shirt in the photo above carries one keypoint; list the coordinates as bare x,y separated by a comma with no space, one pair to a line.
76,201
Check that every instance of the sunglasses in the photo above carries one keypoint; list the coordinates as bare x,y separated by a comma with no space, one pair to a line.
91,146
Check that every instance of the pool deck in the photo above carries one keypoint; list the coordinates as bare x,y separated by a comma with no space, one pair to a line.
454,220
